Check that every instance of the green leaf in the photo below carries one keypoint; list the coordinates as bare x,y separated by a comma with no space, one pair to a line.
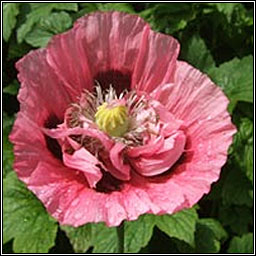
245,130
7,146
48,26
89,6
10,11
236,188
242,16
226,8
38,37
217,229
32,18
169,18
66,6
105,239
86,8
57,22
242,244
25,219
180,225
138,233
121,7
209,233
38,11
249,161
56,6
196,53
92,7
235,78
80,237
12,88
242,147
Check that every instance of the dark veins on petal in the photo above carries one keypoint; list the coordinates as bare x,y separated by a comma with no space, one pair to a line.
117,79
52,144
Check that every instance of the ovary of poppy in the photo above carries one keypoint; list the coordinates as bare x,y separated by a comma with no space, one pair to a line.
112,126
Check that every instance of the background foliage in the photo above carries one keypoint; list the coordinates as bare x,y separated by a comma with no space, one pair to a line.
217,38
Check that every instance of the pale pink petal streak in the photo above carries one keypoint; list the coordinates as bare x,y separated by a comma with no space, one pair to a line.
117,158
67,57
84,161
156,62
42,93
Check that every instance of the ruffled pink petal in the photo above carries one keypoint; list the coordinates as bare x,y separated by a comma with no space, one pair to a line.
196,182
57,187
68,58
28,150
117,158
149,149
163,159
60,133
66,196
194,98
202,106
170,123
68,199
112,163
161,93
84,161
110,41
167,196
42,93
75,145
156,62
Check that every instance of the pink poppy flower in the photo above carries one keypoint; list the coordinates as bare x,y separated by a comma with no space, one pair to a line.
112,126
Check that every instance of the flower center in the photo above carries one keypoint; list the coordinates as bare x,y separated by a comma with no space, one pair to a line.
128,118
112,118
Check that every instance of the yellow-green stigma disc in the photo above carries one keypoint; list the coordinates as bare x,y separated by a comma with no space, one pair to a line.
113,120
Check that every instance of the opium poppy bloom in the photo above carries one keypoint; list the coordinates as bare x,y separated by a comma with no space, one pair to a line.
112,126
